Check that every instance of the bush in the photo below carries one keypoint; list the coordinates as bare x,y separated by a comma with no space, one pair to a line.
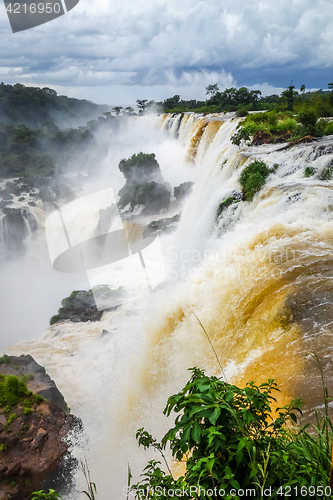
327,173
241,112
12,390
230,439
329,129
309,171
308,118
243,134
320,127
286,125
54,319
5,360
253,178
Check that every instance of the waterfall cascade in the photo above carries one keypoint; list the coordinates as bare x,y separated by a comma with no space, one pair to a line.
259,279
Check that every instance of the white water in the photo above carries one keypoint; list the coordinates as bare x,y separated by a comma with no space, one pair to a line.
244,278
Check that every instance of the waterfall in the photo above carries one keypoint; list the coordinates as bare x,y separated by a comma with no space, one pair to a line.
259,279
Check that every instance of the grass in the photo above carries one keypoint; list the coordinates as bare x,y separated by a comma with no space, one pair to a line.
253,178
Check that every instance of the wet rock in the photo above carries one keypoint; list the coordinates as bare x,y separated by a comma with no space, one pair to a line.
162,225
34,435
34,452
79,306
35,376
183,190
144,184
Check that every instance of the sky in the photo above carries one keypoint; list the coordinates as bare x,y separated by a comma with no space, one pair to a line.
116,52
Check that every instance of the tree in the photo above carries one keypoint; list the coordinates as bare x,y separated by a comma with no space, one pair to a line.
129,111
171,102
302,89
141,104
230,440
212,89
289,94
117,110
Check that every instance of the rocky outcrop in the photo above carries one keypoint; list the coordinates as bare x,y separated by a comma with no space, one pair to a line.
183,190
34,443
273,137
35,376
162,225
79,306
144,184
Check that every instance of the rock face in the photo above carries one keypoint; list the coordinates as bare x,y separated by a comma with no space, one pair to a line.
274,137
162,225
81,306
183,190
35,376
33,450
144,184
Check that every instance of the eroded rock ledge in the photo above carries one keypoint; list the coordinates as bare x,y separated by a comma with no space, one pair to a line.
34,444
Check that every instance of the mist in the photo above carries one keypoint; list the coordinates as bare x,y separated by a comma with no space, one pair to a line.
31,291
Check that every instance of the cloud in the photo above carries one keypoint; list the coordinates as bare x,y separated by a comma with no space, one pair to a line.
167,45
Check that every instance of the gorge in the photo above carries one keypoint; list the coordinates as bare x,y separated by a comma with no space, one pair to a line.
258,276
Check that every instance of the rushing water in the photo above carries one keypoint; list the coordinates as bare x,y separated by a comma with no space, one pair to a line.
259,280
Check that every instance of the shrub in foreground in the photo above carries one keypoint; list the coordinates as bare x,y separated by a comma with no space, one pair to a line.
230,439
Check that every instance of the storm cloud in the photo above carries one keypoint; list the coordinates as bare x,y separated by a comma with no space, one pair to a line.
116,53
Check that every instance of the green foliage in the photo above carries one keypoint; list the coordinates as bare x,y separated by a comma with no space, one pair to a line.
34,105
253,178
309,171
230,438
35,152
139,167
327,173
144,184
50,495
92,489
226,204
5,360
27,411
286,125
54,319
243,134
12,390
308,118
320,127
289,95
10,420
3,447
240,113
38,399
329,129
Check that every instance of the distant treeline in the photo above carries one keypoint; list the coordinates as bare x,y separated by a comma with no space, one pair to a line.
243,100
34,105
47,150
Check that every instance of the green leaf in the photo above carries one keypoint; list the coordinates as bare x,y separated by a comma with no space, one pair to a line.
196,431
215,415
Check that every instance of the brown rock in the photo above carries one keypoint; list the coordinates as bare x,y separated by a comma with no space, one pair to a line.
35,449
273,137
